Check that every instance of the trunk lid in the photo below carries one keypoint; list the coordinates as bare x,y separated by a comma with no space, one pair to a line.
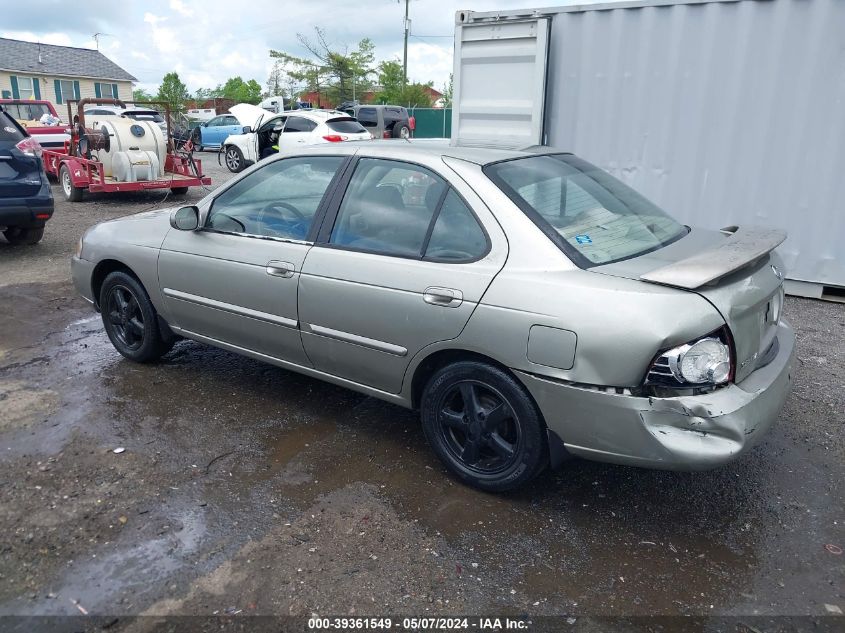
735,270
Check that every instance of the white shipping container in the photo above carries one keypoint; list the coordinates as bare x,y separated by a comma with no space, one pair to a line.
724,112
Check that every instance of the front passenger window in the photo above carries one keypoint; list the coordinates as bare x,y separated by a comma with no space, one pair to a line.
279,200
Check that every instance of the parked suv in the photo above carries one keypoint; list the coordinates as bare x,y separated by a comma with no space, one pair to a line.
264,134
382,121
26,202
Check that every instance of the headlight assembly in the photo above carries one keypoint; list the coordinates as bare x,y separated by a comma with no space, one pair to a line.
707,361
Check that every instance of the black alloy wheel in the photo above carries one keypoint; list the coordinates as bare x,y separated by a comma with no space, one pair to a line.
484,426
130,319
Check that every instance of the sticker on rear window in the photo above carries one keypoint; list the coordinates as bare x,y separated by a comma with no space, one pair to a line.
583,239
10,129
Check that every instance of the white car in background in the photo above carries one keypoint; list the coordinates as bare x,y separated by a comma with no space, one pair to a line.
132,112
289,131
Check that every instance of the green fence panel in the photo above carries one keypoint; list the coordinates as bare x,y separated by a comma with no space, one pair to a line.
432,122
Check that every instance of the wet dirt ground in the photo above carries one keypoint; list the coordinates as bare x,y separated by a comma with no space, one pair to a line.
247,489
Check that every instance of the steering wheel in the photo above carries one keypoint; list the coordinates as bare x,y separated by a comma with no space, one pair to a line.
280,209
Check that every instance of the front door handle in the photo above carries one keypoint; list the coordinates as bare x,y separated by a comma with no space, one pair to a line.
443,297
281,269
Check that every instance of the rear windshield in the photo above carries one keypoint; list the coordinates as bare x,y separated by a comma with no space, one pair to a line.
9,132
593,217
144,115
26,111
345,126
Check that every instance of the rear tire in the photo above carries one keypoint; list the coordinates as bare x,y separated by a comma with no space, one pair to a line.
179,191
484,426
130,319
401,131
72,193
21,237
234,159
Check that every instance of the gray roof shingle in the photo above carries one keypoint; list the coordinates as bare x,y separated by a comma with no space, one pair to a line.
18,56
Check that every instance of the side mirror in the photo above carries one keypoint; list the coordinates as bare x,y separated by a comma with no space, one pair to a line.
185,219
247,129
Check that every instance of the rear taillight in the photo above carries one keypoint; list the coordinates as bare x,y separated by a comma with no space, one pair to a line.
333,138
30,147
386,134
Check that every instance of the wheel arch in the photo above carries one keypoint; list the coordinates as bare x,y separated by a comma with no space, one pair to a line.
102,270
440,358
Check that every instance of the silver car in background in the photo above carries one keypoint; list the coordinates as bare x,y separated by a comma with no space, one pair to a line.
529,304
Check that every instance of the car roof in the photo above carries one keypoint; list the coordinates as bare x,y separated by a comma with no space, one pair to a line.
317,115
480,155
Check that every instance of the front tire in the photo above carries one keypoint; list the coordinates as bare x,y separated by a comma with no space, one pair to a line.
23,237
484,426
72,193
234,159
130,319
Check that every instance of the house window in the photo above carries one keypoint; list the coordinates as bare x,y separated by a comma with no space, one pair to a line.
25,89
65,91
106,91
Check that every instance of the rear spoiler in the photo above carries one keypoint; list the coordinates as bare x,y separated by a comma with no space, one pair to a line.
742,246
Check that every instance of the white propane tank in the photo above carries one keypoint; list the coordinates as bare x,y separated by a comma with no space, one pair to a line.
127,135
134,165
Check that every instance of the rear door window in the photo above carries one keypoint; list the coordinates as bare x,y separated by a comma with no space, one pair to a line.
299,124
457,236
388,208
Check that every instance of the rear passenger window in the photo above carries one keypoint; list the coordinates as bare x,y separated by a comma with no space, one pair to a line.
388,208
298,124
457,236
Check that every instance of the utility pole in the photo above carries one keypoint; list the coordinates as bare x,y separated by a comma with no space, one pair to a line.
405,56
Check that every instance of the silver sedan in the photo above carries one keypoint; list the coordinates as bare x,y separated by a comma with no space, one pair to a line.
531,306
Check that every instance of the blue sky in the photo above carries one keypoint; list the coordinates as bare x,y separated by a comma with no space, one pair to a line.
207,41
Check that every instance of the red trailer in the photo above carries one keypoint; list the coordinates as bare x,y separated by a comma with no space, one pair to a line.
77,166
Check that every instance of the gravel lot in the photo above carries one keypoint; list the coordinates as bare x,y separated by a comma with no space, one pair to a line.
247,488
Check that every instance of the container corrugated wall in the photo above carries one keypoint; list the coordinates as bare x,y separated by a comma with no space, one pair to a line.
722,112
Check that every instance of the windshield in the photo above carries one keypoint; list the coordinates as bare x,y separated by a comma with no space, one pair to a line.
26,111
593,217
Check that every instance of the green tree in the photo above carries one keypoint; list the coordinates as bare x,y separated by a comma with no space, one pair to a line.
242,91
139,94
275,85
448,91
173,92
391,80
336,75
395,91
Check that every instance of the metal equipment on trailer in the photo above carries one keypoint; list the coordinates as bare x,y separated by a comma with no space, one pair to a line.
121,154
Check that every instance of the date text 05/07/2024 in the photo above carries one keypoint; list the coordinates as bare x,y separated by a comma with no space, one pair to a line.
417,624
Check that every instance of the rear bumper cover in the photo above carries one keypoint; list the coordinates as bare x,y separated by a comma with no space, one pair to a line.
22,212
682,433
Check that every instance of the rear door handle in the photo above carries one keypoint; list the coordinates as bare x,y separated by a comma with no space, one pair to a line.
443,297
281,269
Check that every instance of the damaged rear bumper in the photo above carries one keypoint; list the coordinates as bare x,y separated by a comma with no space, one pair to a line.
681,433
